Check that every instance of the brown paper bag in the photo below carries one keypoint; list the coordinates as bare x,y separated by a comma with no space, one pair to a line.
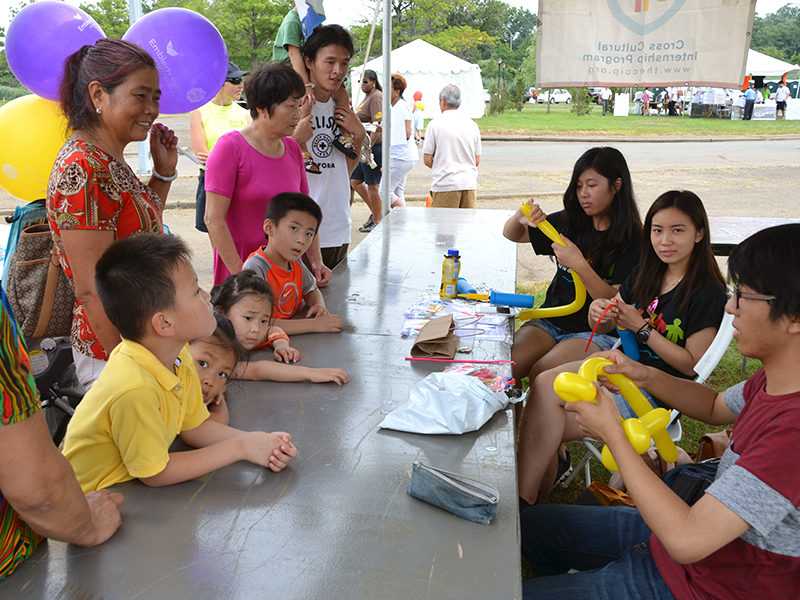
436,339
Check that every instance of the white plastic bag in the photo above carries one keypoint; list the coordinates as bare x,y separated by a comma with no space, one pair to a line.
446,403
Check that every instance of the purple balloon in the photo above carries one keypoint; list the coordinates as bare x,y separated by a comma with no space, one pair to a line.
190,54
39,40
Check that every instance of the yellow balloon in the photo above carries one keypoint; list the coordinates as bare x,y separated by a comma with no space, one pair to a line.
652,422
420,105
33,130
580,290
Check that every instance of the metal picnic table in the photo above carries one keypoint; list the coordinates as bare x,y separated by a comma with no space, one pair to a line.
338,522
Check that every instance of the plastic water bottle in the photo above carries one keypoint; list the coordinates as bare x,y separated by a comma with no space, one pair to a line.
450,270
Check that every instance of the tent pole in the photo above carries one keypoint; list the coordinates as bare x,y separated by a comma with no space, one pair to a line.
386,175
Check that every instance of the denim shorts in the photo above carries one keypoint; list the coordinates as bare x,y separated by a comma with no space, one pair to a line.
606,342
625,410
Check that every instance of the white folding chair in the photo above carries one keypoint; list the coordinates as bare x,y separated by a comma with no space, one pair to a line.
703,368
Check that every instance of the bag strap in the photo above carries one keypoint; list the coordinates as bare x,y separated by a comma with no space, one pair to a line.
53,271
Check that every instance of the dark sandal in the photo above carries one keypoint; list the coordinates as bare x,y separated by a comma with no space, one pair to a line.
311,166
346,145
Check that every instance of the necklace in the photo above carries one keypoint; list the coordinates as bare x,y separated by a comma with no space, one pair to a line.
99,143
669,286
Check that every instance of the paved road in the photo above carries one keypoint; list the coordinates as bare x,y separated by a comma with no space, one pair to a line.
740,178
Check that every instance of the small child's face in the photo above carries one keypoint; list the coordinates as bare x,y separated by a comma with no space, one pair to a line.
250,318
193,313
214,365
291,237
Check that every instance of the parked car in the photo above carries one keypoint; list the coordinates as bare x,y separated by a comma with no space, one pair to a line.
531,93
555,96
593,94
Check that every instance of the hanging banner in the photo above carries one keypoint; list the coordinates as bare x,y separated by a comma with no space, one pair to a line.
620,43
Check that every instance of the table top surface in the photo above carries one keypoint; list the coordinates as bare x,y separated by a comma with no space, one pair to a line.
727,232
337,523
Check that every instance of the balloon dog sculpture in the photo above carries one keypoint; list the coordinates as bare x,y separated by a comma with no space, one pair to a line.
652,422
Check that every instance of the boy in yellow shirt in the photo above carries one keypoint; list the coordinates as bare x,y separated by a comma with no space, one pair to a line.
149,391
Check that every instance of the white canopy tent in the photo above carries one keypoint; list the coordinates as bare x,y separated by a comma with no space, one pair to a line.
428,69
761,64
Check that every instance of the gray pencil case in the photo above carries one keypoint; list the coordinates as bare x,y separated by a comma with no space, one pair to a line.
462,496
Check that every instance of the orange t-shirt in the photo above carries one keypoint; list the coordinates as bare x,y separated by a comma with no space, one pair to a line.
289,286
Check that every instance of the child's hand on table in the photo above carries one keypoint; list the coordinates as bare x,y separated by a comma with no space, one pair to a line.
318,310
284,454
328,323
325,375
283,352
271,450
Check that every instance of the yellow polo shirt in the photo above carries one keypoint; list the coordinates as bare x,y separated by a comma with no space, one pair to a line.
124,426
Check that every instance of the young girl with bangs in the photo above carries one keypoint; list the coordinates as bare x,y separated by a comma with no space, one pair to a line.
247,299
674,301
215,357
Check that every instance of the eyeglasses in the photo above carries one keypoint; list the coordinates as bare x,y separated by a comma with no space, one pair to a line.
234,80
737,294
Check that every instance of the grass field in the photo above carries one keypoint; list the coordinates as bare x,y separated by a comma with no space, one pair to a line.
534,120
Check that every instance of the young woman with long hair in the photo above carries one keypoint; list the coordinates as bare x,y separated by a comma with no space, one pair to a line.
674,301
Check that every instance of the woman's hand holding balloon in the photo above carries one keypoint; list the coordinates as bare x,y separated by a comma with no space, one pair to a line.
570,255
598,307
534,214
629,317
164,149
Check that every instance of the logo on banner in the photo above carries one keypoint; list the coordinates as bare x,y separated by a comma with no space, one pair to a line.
637,8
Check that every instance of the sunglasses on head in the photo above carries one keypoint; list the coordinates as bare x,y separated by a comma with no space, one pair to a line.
234,80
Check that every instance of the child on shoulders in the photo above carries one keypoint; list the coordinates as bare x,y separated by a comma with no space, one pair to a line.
247,300
288,47
149,391
291,222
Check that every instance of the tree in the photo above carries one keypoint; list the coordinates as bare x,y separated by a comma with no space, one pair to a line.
778,34
112,15
528,67
249,27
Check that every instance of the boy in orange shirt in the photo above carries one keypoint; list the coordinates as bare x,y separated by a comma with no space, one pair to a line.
291,222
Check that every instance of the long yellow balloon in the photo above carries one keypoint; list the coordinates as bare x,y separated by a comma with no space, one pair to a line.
652,422
580,290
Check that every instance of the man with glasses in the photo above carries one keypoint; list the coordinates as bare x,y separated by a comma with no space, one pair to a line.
742,538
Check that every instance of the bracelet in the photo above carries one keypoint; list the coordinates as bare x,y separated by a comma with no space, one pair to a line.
281,335
311,85
172,177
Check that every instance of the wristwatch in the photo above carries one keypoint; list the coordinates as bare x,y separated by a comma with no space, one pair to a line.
643,334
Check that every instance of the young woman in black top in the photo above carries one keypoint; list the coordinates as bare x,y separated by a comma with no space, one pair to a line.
600,224
679,297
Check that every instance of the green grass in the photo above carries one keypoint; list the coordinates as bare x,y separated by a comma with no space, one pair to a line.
727,373
534,120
